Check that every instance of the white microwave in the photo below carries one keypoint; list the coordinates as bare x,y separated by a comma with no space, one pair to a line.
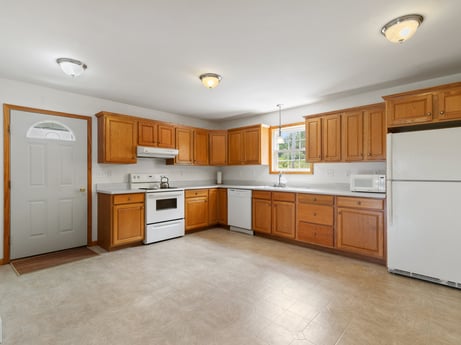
368,183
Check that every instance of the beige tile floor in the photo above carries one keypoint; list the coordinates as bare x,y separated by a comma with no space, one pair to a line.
218,287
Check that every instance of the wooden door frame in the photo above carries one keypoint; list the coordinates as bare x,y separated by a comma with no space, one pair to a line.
7,173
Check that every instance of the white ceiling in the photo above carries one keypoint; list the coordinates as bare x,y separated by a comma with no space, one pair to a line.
150,52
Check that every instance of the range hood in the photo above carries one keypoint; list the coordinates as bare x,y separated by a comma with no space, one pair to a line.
155,152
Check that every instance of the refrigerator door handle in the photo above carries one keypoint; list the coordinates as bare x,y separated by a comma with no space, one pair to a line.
390,204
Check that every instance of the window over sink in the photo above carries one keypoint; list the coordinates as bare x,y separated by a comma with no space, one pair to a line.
289,156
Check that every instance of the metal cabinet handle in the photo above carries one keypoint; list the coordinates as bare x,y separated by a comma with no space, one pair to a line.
442,113
429,114
315,214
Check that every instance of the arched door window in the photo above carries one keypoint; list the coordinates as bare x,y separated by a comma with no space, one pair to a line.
53,130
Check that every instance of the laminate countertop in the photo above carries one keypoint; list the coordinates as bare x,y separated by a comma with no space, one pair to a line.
333,189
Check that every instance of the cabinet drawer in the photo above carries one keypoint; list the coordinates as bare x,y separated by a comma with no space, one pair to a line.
375,204
128,198
196,192
315,199
314,233
258,194
317,214
283,196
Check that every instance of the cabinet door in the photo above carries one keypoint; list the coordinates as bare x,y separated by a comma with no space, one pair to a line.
222,206
200,147
283,219
185,145
314,139
331,138
352,135
166,136
262,210
235,147
120,139
218,147
147,133
212,206
252,146
196,212
128,223
360,231
374,131
449,104
408,110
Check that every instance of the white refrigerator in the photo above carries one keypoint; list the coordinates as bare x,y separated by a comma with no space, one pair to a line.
424,205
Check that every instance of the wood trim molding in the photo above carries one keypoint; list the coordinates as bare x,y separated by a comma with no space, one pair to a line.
424,90
6,171
362,107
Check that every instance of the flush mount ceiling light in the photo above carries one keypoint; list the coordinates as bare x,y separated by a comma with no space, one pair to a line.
71,67
402,28
210,80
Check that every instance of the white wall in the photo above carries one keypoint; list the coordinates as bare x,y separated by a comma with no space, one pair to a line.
29,95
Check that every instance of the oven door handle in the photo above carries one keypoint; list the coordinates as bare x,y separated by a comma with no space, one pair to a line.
166,224
164,195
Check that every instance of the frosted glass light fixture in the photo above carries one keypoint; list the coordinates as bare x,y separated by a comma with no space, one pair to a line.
210,80
280,138
402,28
71,67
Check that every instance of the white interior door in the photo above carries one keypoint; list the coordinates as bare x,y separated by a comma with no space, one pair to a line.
48,183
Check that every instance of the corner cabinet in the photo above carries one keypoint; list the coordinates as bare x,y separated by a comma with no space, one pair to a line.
424,106
248,145
192,144
117,138
360,226
222,206
121,219
218,147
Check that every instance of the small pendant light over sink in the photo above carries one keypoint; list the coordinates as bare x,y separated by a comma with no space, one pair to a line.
280,138
210,80
402,28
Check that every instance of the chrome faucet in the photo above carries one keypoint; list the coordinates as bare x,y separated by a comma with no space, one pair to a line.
282,182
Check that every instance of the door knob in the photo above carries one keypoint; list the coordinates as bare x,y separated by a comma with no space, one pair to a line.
82,189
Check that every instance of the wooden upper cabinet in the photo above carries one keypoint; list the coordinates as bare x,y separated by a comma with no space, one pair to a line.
235,143
218,147
374,133
314,139
449,104
323,138
248,145
364,134
200,147
331,138
154,133
436,104
117,138
185,146
352,127
166,136
407,110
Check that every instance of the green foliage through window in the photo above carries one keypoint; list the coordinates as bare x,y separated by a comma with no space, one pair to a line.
291,155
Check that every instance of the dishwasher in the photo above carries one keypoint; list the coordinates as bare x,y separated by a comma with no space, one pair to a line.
239,210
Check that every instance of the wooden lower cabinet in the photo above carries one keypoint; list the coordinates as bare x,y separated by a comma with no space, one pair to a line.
315,234
196,215
261,212
121,219
315,219
360,226
222,206
213,206
283,214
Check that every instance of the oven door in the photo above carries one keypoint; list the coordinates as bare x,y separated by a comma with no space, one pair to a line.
164,206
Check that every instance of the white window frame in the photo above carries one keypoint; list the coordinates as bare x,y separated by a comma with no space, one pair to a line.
274,149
